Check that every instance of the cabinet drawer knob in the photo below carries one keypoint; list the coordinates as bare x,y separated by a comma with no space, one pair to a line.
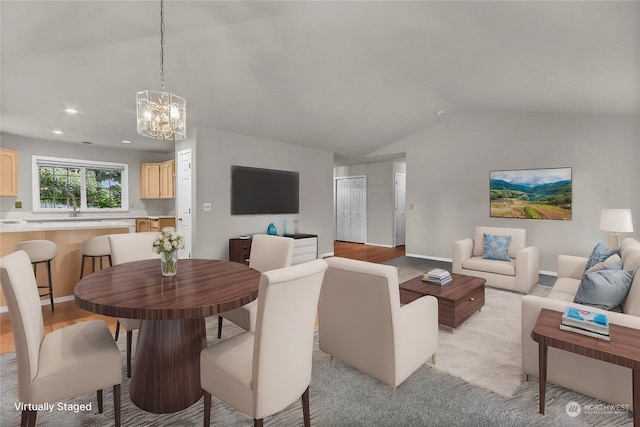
472,299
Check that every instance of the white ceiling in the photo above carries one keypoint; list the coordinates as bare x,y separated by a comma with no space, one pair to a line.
350,77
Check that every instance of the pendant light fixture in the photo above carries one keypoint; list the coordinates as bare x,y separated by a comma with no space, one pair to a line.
161,115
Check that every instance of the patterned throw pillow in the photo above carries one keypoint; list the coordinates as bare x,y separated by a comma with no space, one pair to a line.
599,254
496,247
604,289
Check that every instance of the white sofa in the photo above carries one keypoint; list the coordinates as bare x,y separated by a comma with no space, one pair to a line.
361,322
602,380
518,274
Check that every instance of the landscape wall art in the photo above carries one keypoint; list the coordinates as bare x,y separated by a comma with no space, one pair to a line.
531,193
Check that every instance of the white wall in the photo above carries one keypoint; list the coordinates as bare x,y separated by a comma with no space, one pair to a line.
217,151
448,169
28,147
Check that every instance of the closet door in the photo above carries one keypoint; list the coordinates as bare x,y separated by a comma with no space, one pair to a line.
351,207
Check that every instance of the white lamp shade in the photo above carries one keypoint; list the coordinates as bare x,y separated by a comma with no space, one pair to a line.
616,220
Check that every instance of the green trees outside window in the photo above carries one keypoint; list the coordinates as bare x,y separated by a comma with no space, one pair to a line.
80,184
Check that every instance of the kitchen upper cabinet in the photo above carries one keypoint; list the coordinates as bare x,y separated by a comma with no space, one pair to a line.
8,172
157,180
149,180
168,179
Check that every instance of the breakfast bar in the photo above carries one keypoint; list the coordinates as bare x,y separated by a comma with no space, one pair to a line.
68,235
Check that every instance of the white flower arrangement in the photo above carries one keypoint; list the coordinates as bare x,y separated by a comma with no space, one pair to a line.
168,241
166,244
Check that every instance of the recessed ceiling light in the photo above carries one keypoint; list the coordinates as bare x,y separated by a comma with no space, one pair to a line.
57,132
440,113
124,141
71,110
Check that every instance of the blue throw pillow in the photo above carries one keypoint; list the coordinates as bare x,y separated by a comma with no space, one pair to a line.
604,289
496,247
599,254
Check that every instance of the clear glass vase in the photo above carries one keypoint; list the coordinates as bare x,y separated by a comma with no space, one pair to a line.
169,263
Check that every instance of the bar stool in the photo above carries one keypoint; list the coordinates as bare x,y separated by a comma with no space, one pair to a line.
95,247
40,251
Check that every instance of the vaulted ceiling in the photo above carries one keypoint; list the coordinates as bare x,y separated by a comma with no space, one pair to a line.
345,76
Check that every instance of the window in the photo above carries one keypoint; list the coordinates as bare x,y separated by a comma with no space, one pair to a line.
60,184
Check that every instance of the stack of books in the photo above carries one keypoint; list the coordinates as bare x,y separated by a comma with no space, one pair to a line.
437,276
585,322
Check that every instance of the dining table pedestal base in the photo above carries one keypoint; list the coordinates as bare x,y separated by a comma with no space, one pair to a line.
166,367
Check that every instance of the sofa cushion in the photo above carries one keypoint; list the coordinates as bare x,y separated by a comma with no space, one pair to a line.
490,266
599,254
518,239
631,304
564,289
614,262
628,246
604,289
496,247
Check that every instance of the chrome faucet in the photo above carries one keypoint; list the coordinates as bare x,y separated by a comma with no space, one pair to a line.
75,211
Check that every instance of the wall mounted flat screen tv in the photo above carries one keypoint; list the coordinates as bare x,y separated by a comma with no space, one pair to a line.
257,191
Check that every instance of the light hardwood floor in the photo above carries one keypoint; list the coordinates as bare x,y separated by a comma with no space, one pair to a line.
68,313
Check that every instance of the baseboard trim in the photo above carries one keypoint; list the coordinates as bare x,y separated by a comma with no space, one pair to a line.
380,245
548,273
433,258
4,308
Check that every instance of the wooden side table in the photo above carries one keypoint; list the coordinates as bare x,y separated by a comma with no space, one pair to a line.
623,350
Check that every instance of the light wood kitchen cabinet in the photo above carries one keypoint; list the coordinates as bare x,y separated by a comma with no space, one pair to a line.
8,172
157,180
168,179
149,180
154,224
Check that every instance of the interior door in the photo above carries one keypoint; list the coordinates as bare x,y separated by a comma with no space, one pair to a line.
351,206
400,201
358,209
184,209
342,209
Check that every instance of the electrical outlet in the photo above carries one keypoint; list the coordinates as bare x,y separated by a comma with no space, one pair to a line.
206,207
18,205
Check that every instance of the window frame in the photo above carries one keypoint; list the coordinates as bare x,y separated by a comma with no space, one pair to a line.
37,161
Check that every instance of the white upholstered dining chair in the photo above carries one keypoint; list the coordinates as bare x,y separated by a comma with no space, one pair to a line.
129,247
361,322
65,363
267,253
261,373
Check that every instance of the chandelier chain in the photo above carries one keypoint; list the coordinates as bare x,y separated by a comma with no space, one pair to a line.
162,44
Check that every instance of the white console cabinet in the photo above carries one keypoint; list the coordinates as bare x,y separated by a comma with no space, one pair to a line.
304,250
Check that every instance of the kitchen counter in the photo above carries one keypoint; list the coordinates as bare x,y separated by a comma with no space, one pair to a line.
13,226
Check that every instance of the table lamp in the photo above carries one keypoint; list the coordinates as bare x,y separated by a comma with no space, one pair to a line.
616,221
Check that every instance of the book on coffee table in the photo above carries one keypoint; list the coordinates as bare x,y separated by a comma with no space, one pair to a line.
437,276
585,320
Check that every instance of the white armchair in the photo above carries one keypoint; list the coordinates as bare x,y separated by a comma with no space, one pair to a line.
362,323
518,274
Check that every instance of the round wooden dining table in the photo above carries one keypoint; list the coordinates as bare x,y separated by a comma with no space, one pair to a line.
172,310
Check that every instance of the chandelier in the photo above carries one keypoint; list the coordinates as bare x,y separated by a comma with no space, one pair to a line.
160,114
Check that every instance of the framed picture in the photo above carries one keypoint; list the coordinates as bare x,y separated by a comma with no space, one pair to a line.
531,193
